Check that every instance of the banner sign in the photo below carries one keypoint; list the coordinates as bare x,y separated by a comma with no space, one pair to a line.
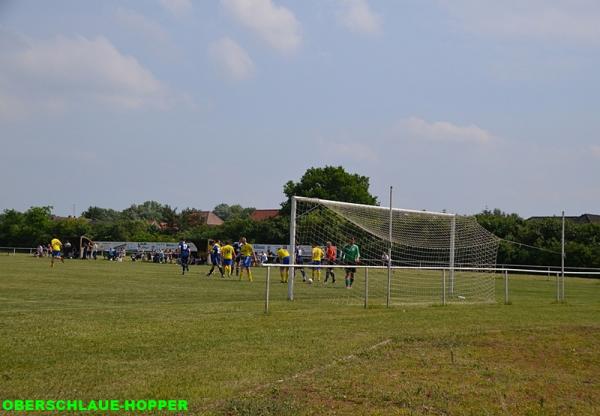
140,246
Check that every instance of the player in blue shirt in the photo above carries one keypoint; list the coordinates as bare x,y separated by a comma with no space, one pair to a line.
184,256
215,257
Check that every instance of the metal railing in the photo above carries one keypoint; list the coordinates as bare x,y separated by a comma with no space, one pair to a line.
444,277
12,251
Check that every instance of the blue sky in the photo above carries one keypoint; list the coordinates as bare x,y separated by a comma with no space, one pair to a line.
458,104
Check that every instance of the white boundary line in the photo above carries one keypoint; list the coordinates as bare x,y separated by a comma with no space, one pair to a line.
314,370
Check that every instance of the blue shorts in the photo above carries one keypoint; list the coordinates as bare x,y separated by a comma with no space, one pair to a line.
285,260
227,262
317,263
247,261
56,253
215,259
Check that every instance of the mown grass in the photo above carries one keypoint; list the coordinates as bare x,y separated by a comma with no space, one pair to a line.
98,329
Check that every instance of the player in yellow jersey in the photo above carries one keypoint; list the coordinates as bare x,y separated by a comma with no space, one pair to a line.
317,257
228,252
56,246
284,258
248,256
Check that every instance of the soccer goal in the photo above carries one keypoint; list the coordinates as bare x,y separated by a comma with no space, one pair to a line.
406,256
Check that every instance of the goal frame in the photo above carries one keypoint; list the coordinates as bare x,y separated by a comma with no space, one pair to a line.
391,209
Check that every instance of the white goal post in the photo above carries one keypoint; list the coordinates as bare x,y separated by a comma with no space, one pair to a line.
416,247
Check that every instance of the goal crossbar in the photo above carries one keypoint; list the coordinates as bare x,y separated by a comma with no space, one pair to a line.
374,207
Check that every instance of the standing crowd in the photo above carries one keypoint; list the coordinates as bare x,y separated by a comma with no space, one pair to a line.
238,257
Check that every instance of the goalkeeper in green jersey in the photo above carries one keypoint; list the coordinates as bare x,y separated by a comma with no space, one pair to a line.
351,257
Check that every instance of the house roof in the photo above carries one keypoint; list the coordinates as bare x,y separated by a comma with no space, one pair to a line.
263,214
212,218
200,217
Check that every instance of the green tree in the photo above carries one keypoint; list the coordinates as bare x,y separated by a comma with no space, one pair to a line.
190,218
228,212
101,214
11,228
149,211
70,229
332,183
170,217
37,225
223,211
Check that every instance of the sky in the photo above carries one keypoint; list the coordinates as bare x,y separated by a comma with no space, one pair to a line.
460,105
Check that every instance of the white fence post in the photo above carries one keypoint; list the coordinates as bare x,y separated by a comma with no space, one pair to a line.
366,287
267,286
506,287
443,286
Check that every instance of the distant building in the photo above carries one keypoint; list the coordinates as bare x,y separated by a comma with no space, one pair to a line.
210,218
196,218
264,214
582,219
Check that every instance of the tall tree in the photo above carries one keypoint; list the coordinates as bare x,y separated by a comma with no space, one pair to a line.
100,214
332,183
223,211
149,210
229,212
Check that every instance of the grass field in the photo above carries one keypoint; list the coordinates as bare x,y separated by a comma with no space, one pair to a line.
103,330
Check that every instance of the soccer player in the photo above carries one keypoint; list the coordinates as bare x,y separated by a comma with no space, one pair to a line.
215,257
56,246
227,251
284,258
351,257
300,260
330,258
248,256
238,256
184,256
317,257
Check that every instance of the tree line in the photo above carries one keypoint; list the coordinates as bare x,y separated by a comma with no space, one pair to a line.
538,241
532,242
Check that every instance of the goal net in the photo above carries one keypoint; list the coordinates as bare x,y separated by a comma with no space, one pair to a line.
406,256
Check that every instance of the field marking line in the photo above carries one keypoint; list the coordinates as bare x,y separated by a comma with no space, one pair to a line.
351,357
333,363
311,371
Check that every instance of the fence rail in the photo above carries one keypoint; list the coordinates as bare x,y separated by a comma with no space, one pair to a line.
575,271
445,277
18,250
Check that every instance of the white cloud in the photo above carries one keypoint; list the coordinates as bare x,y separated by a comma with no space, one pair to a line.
232,59
442,131
142,24
62,72
357,16
276,25
558,20
178,8
595,150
